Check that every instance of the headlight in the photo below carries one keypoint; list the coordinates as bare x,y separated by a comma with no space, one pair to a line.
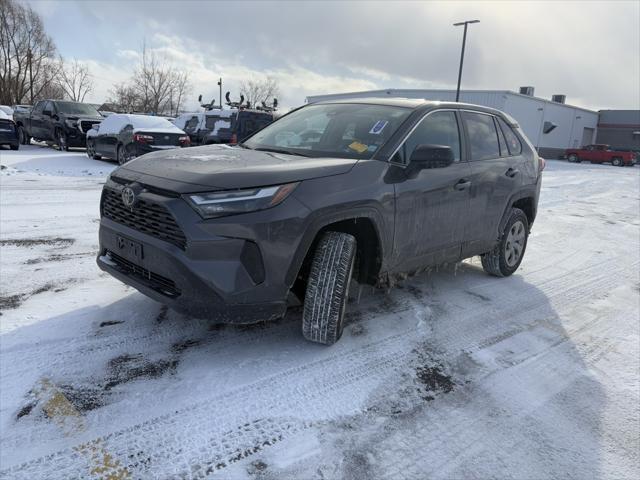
71,123
230,202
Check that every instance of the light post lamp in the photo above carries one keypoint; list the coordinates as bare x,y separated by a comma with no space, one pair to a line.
464,41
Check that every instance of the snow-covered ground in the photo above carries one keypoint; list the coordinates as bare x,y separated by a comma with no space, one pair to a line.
454,374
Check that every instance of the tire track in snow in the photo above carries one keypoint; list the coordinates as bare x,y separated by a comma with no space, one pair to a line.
334,381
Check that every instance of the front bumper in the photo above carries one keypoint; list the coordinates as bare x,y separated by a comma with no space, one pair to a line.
226,272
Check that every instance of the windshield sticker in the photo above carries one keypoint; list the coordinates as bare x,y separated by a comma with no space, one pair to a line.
358,147
372,148
378,127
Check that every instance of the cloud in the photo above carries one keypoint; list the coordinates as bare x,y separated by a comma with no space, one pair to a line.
591,53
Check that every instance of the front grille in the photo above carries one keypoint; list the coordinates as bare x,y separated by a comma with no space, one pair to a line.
86,125
146,217
157,282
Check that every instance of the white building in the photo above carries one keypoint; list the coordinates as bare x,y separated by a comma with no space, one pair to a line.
552,126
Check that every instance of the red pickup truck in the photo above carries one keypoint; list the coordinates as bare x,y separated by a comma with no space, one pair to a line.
601,154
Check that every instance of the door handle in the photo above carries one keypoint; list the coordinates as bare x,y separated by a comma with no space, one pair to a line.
512,172
462,184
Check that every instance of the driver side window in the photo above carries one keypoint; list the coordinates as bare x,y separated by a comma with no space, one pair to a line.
438,128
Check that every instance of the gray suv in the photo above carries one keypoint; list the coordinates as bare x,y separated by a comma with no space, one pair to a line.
371,189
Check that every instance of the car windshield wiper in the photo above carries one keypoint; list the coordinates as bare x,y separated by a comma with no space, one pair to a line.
280,150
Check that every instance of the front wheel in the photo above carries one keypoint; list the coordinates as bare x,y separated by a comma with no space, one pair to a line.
91,150
15,147
617,162
505,258
573,158
328,288
61,139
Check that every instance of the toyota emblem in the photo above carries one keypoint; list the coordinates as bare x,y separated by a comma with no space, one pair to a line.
128,197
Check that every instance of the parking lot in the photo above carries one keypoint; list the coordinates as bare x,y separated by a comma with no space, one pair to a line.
453,374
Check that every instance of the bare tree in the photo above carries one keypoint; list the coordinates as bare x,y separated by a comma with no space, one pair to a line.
256,91
75,80
27,54
155,87
125,98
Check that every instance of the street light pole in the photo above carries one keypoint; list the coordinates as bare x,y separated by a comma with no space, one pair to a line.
30,60
464,41
220,85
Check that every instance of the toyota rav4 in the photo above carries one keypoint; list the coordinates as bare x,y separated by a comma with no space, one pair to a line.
369,189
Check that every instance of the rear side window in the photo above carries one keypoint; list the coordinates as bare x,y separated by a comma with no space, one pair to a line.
39,107
483,137
438,128
504,151
513,142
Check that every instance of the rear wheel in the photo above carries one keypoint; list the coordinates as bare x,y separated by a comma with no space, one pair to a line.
328,288
617,162
505,258
573,158
23,138
123,155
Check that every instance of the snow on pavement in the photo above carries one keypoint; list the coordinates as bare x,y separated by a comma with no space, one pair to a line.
454,374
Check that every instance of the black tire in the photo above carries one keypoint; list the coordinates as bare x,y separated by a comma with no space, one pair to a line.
122,156
91,150
61,141
573,158
23,138
328,288
496,262
617,162
15,147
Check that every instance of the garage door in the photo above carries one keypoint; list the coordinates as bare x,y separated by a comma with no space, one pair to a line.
587,136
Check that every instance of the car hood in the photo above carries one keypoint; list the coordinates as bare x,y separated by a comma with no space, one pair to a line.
223,167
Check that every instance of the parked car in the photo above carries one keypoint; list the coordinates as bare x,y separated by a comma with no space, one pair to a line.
8,131
21,108
7,110
58,122
599,153
198,125
372,189
243,123
222,126
122,137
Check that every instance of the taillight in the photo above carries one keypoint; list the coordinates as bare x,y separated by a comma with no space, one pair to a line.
140,138
543,163
185,140
234,139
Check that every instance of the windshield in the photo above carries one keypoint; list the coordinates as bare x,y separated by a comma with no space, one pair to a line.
331,130
72,108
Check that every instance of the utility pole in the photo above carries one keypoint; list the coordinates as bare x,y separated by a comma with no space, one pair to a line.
220,85
464,41
29,55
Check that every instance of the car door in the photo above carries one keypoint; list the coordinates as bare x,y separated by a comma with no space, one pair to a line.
431,206
49,121
496,173
35,120
588,153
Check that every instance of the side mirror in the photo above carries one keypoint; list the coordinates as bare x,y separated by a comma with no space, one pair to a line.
430,156
46,112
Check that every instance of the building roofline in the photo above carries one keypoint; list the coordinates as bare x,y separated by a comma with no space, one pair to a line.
447,90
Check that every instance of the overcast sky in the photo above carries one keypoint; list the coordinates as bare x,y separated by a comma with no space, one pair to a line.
589,51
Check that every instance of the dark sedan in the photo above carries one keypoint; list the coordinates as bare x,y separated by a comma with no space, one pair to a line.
123,137
8,132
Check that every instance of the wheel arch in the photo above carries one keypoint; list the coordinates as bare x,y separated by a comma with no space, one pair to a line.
363,225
